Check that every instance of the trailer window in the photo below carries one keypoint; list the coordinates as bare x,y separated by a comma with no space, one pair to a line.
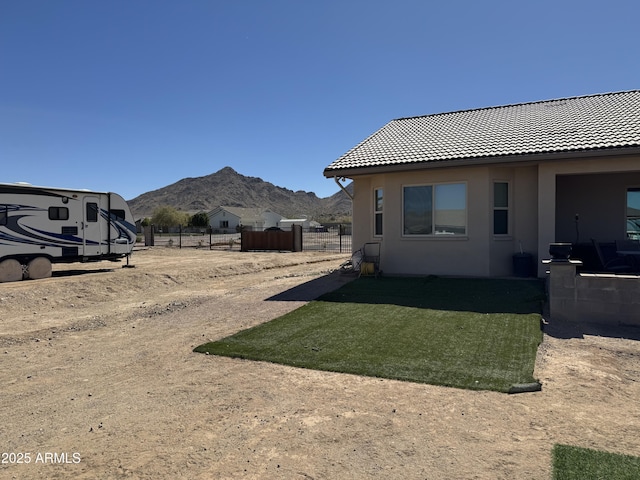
4,214
58,213
92,212
116,214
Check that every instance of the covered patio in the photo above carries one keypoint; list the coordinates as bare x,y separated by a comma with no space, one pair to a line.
597,214
595,205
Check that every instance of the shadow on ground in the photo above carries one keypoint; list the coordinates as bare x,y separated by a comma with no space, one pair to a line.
312,289
579,330
75,272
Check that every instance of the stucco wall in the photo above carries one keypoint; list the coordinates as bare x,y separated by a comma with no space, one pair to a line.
221,215
600,202
479,252
544,198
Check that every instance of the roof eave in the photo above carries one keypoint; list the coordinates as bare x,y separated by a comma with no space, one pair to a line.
474,161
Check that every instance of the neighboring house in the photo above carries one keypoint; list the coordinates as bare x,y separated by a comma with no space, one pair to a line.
229,219
305,223
460,193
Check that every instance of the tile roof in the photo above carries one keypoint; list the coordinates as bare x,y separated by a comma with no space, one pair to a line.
604,121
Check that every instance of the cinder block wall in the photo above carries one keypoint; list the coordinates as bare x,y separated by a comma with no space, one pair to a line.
593,298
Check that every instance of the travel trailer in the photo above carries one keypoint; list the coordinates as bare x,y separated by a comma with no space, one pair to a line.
44,225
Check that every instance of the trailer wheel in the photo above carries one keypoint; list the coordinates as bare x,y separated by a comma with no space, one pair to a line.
10,270
39,267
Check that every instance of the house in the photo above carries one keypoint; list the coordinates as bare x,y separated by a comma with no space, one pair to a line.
230,219
461,193
305,223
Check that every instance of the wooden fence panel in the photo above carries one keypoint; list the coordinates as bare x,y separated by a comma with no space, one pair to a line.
272,240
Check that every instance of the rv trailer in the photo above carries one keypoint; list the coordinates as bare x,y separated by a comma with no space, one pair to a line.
44,225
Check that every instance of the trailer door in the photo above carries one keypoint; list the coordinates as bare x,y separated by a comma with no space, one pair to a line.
91,227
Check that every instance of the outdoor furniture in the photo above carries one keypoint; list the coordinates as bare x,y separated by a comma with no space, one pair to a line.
370,265
609,258
629,250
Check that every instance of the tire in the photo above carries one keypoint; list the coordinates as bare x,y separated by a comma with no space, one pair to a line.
10,270
39,267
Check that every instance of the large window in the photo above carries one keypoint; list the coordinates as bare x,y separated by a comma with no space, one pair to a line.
435,209
377,211
500,208
633,213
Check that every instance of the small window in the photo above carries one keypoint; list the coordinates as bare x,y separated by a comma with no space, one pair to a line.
117,214
377,211
4,215
633,213
58,213
500,208
92,212
224,223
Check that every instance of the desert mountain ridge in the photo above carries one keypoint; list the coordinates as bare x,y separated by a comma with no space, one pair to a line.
227,187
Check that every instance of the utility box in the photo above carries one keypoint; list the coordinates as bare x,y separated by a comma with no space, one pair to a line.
523,265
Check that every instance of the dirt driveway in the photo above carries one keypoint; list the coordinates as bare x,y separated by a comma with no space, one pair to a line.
99,381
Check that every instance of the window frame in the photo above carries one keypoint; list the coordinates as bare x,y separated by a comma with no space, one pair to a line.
630,218
433,235
58,211
495,208
378,212
117,214
92,212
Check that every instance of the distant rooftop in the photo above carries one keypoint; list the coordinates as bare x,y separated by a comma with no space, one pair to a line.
576,124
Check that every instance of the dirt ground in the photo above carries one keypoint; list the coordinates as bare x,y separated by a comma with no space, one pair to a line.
99,381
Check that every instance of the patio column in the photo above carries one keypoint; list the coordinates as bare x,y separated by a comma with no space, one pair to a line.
546,210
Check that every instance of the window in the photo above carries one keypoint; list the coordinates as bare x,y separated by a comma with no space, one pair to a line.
377,211
435,209
4,215
500,208
633,213
58,213
92,212
116,214
224,223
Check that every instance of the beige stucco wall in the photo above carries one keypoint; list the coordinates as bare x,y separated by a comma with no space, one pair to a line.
535,221
600,202
479,252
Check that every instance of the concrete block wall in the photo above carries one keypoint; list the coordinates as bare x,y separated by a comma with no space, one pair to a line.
592,298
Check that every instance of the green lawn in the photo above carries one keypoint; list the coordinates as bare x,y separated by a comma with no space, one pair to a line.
574,463
466,333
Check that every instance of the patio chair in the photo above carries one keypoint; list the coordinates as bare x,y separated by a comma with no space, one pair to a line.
370,265
630,250
610,260
628,245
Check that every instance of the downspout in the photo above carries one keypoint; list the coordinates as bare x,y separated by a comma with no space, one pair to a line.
337,180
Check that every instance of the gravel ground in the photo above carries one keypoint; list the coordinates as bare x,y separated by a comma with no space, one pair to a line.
99,381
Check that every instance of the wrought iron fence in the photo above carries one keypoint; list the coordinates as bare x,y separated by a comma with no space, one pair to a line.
335,238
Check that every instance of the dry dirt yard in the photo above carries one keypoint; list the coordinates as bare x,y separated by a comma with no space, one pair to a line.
99,381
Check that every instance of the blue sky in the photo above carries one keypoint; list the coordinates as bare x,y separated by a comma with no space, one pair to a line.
134,95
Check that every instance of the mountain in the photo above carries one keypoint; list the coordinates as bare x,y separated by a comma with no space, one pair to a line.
229,188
